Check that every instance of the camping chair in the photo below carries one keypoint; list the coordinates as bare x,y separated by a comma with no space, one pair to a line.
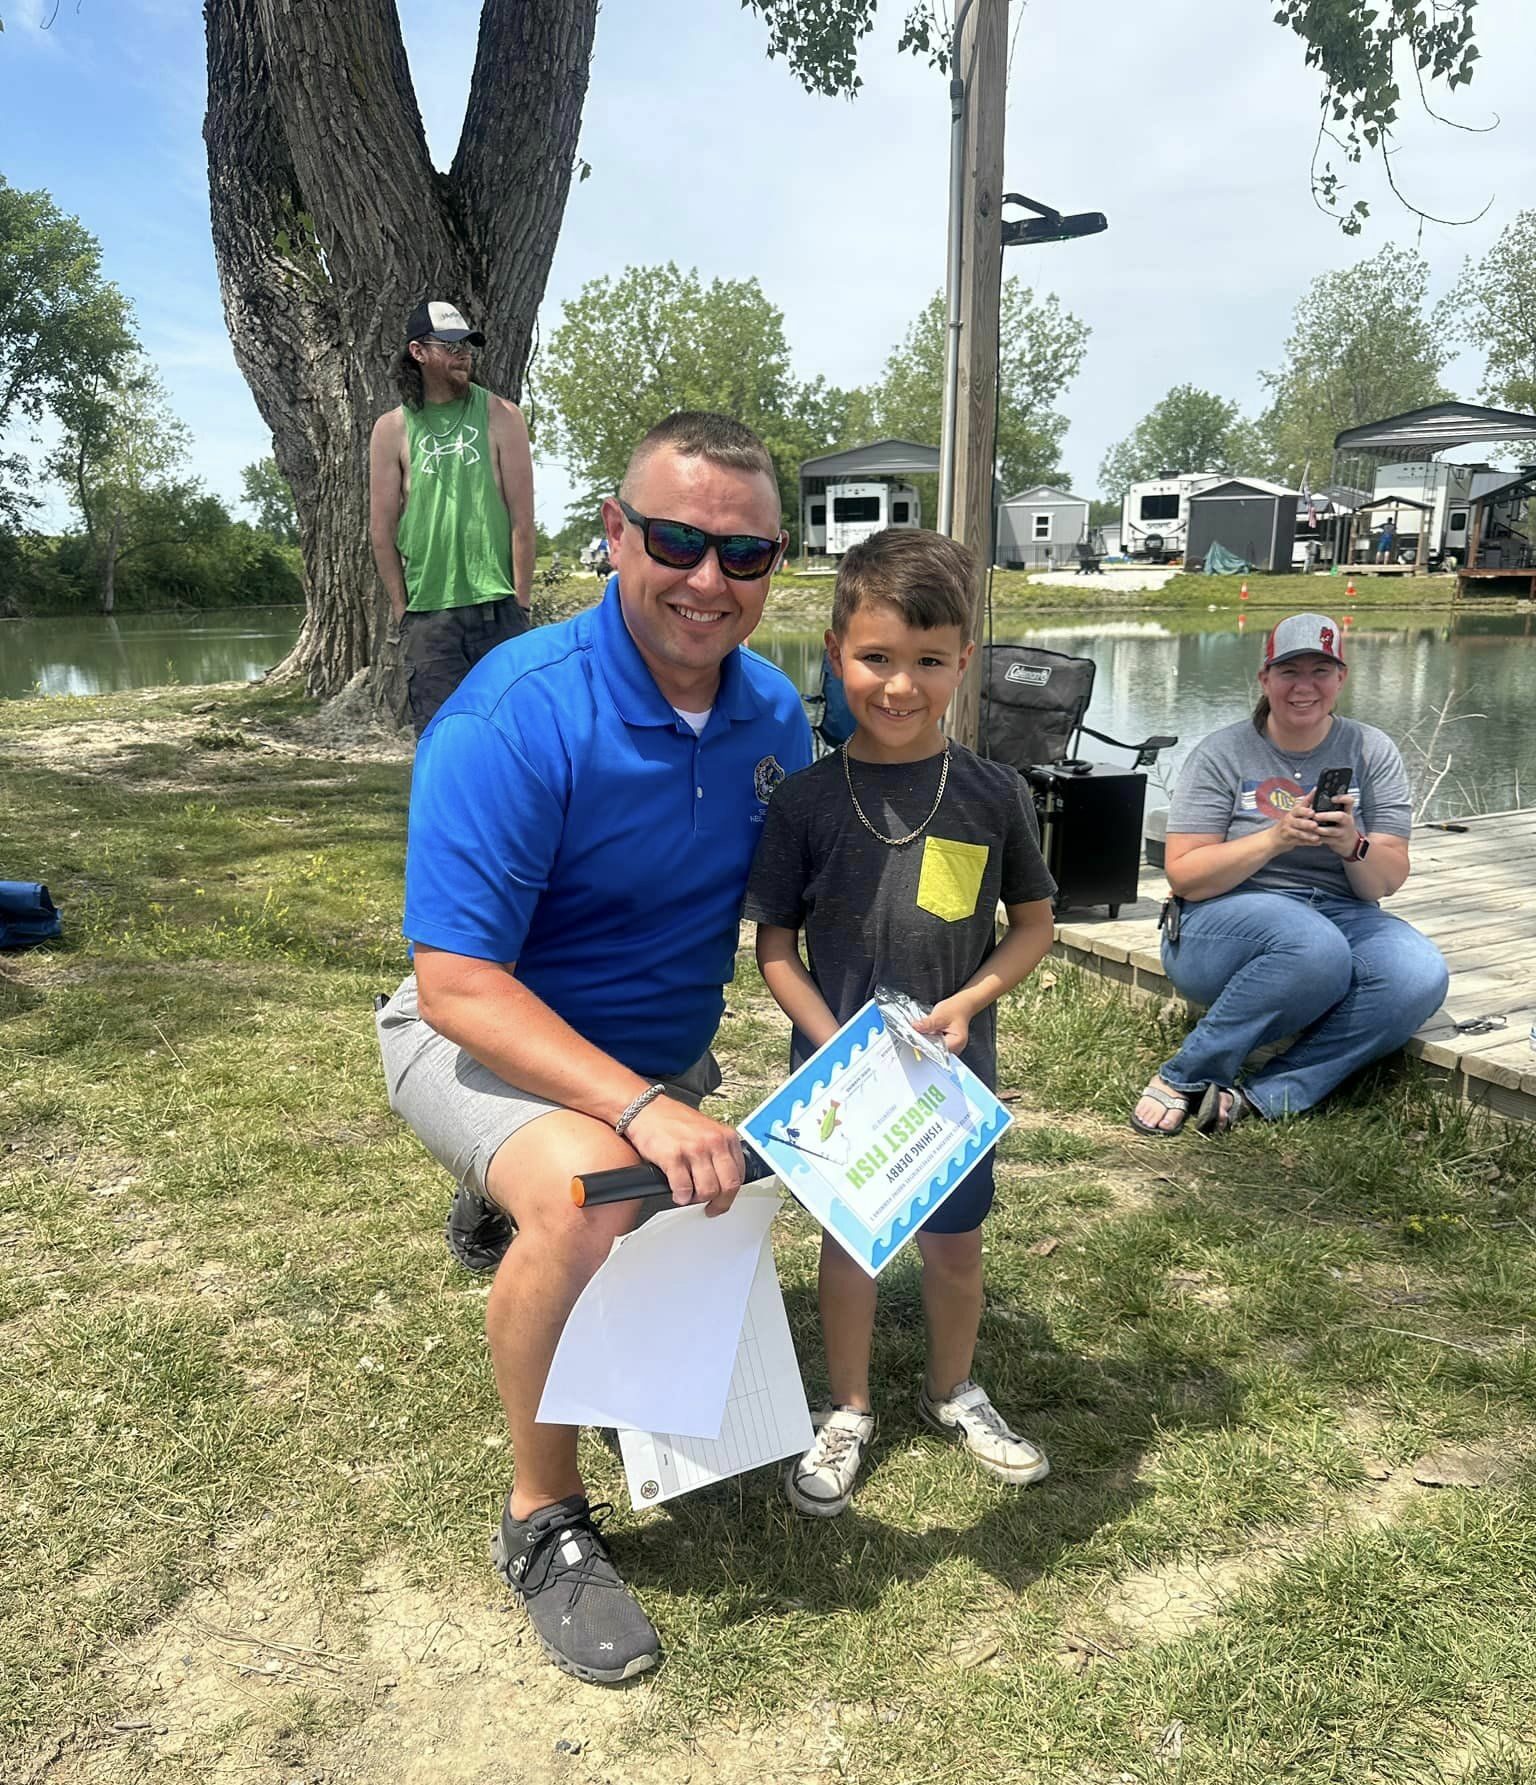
827,710
1032,707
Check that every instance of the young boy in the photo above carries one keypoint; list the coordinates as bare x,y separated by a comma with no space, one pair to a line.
892,854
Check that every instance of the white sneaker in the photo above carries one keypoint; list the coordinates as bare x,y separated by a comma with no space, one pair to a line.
969,1416
820,1484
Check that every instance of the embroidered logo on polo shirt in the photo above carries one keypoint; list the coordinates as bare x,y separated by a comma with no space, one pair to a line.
765,777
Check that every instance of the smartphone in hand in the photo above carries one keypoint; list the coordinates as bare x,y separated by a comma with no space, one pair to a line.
1331,783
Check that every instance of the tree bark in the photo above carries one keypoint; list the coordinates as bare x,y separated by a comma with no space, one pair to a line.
109,559
330,223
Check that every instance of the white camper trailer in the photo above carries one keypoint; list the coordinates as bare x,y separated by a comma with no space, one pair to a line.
1447,490
836,519
1154,518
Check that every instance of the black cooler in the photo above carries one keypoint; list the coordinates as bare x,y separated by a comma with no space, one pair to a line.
1090,831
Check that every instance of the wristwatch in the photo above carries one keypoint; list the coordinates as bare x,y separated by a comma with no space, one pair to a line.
1361,851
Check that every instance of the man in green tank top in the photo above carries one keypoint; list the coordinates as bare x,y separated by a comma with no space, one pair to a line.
450,487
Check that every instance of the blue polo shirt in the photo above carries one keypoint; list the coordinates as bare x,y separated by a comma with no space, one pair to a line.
564,817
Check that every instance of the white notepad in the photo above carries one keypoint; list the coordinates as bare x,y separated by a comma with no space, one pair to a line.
766,1417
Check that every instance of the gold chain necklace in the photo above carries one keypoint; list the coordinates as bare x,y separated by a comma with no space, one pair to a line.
911,836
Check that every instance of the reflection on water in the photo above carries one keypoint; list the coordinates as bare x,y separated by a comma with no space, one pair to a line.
103,654
1183,673
1456,694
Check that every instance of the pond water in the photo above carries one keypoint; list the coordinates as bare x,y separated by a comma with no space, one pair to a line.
104,654
1179,673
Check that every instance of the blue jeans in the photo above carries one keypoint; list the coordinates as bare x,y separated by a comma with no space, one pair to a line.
1349,981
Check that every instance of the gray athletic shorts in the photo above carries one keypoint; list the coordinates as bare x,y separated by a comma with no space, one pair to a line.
461,1111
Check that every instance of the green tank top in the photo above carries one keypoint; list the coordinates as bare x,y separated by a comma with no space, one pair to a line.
455,537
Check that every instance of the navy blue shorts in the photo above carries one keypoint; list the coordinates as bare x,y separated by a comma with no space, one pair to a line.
965,1208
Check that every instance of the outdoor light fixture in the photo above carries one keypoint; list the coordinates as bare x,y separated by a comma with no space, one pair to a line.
1047,225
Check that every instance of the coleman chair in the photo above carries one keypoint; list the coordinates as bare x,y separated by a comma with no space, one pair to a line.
1089,813
827,710
1032,708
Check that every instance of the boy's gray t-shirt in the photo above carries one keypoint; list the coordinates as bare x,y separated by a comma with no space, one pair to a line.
920,919
1236,781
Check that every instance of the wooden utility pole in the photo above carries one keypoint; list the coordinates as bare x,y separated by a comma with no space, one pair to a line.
983,66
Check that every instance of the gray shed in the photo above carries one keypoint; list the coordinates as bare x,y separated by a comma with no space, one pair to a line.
1040,526
1253,519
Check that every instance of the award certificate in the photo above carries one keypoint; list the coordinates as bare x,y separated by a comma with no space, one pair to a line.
875,1130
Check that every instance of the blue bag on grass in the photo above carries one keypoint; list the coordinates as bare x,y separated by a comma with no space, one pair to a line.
27,915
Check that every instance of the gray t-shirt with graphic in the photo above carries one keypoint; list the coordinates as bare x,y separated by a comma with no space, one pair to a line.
920,918
1236,781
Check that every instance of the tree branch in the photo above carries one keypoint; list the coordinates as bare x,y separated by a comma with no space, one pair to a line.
512,172
355,136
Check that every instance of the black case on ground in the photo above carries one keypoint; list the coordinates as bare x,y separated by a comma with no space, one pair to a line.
1090,832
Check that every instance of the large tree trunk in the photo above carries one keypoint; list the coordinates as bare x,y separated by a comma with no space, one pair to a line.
109,559
330,223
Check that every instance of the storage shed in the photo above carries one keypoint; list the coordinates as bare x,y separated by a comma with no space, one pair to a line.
1040,527
1252,519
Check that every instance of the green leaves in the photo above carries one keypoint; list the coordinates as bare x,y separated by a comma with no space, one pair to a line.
61,323
1493,306
1042,352
268,494
819,39
632,348
1353,44
1361,347
1189,430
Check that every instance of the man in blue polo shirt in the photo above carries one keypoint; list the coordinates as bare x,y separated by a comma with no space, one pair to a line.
584,810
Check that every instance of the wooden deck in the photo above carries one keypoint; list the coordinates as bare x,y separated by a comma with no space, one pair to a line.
1471,892
1466,580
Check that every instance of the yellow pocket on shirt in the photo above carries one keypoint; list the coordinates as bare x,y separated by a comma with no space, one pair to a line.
950,881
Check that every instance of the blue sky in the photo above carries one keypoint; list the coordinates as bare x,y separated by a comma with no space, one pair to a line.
1190,124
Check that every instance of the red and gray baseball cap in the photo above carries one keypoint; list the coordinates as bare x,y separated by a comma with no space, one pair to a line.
1302,635
441,321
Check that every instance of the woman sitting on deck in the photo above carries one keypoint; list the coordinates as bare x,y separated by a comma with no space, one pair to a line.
1274,924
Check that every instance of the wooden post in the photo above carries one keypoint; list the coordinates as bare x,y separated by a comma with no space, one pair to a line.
984,68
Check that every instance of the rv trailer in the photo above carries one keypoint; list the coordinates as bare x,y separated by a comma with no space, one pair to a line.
838,518
1448,492
1154,518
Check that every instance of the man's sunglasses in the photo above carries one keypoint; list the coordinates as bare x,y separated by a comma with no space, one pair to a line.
743,556
454,349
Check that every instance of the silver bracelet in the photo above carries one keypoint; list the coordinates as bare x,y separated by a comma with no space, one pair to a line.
648,1095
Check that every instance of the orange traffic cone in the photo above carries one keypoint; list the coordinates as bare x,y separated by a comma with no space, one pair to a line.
1242,593
1349,619
1349,590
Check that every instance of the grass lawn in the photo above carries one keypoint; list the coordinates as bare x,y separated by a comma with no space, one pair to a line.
252,1452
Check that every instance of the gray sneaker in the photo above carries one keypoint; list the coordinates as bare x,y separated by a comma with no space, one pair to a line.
820,1484
967,1415
587,1621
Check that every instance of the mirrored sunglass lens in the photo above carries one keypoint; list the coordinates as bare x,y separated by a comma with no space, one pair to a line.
745,556
670,542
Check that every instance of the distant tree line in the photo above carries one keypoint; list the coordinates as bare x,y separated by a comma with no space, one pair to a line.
1364,344
77,390
632,346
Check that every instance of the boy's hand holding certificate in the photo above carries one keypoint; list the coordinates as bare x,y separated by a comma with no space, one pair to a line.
876,1129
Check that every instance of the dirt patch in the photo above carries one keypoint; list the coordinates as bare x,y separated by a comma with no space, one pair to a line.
345,728
256,1681
1165,1603
1199,1286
